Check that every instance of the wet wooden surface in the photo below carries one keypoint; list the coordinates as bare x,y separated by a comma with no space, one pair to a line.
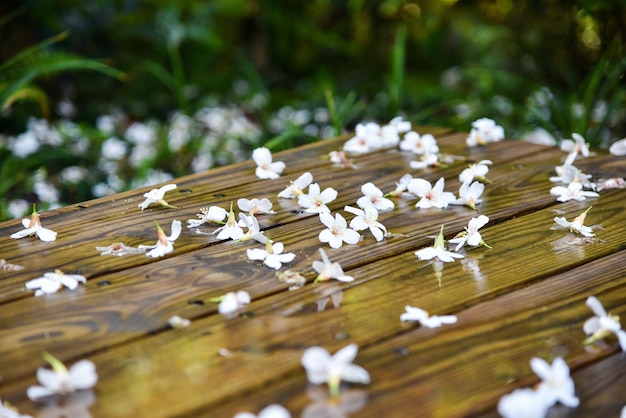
523,298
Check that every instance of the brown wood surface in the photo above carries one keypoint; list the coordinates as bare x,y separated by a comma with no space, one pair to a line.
523,298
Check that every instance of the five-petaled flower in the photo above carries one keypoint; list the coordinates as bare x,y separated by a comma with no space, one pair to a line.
296,187
576,146
437,251
33,227
556,384
483,131
327,270
314,201
60,380
266,169
572,191
231,229
476,171
373,196
577,224
272,256
471,236
421,145
337,231
321,367
431,196
469,194
270,411
367,218
165,244
52,282
602,325
429,321
157,196
255,206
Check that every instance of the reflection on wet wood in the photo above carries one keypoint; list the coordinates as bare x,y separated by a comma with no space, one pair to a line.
522,298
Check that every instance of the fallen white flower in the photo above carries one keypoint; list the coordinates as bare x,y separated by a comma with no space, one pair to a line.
52,282
60,380
157,196
321,367
429,321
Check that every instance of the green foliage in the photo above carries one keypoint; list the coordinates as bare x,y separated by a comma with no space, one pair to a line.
241,73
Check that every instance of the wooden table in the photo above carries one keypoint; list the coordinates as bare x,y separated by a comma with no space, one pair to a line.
523,298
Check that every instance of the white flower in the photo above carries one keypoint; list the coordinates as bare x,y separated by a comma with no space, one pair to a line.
157,195
484,131
475,171
556,384
429,321
572,191
213,214
340,159
437,251
314,201
177,322
577,224
296,187
52,282
254,230
327,270
469,194
255,206
367,218
6,266
603,324
426,160
272,256
618,147
373,196
424,144
337,231
232,302
266,169
33,227
119,249
321,367
230,230
400,125
471,236
575,146
364,139
567,174
523,403
8,411
165,244
60,380
612,183
401,185
270,411
431,196
114,149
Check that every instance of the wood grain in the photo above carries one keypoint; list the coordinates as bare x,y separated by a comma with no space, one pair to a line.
522,298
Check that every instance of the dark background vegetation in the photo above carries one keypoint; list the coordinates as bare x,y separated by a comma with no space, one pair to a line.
554,64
